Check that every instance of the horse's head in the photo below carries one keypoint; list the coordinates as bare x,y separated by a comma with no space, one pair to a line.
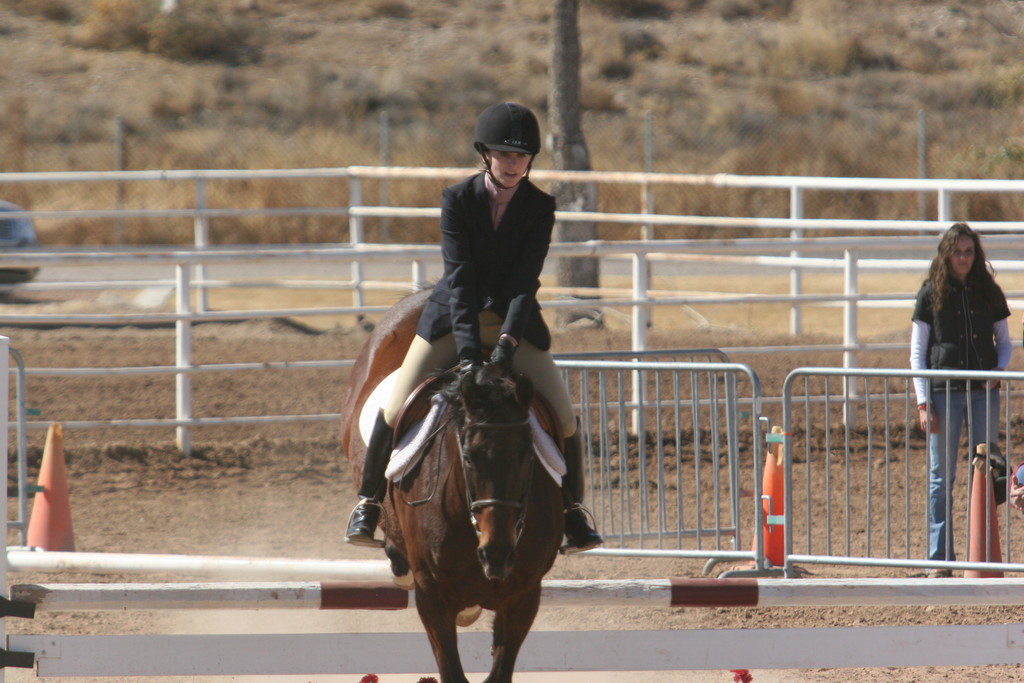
496,448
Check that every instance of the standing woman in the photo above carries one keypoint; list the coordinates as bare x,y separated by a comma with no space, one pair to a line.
960,323
495,230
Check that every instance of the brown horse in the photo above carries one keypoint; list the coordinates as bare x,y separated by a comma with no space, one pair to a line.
477,521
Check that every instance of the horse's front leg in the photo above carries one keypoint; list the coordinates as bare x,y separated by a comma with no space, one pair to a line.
439,623
511,625
401,573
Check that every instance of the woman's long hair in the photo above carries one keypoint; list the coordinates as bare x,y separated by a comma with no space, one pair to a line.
979,277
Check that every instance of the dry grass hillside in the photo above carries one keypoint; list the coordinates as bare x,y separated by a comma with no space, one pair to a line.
809,87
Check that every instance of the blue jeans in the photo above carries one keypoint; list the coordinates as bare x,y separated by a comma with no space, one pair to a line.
982,415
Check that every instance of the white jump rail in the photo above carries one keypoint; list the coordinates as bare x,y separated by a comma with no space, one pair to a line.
247,568
544,651
645,593
550,651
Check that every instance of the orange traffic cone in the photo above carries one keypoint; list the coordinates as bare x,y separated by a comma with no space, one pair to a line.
984,545
49,526
773,502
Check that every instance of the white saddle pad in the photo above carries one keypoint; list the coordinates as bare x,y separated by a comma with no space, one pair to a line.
408,448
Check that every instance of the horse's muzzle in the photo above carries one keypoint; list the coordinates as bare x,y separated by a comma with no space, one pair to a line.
497,561
497,534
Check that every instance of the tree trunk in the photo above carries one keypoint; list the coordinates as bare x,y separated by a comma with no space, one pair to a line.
570,152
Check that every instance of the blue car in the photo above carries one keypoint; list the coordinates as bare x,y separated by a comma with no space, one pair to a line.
16,233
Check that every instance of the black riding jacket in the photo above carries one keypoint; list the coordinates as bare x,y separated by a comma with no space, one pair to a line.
487,268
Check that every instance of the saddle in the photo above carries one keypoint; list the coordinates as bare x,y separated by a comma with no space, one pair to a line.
417,406
424,408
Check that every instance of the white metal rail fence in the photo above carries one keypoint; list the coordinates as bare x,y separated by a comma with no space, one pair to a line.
642,253
856,465
184,263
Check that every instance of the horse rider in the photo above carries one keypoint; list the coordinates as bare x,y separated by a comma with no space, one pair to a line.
495,231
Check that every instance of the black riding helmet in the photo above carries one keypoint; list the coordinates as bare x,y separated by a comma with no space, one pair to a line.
507,127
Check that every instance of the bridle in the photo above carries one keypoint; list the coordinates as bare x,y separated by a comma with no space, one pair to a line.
475,504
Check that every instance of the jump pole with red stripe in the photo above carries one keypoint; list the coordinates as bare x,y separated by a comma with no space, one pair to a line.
672,593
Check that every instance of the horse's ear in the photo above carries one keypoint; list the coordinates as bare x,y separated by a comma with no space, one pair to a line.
524,390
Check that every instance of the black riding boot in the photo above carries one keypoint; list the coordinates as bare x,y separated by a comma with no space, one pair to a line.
579,535
362,522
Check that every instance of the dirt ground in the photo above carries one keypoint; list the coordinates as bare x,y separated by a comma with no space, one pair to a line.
281,490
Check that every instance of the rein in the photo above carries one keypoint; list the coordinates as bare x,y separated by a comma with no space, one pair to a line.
437,474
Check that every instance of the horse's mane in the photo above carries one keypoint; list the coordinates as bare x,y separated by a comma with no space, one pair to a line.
491,388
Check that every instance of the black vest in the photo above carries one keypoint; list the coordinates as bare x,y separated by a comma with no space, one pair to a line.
962,333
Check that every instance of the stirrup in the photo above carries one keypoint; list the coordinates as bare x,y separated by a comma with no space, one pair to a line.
587,539
357,532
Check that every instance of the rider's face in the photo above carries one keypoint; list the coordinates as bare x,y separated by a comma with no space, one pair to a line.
508,167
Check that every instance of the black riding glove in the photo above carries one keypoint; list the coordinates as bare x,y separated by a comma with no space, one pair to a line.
501,356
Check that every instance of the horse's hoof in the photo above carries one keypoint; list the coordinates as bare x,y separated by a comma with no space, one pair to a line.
405,581
469,615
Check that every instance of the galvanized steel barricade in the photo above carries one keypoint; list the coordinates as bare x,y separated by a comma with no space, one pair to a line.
676,453
857,470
